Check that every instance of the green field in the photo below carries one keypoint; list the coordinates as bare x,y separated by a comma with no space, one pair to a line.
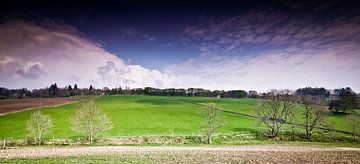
146,115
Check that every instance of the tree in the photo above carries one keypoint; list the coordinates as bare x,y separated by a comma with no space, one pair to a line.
275,110
69,88
212,121
90,119
314,114
308,91
75,87
354,121
38,125
236,94
348,100
53,90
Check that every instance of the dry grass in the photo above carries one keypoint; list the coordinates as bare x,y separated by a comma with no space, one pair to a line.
158,154
203,157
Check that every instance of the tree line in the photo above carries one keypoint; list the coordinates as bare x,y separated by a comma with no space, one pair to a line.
48,92
55,91
341,100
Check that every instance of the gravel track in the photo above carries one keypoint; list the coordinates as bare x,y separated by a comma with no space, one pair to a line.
96,150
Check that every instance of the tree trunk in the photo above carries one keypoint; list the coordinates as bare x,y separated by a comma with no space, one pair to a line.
354,135
91,138
308,136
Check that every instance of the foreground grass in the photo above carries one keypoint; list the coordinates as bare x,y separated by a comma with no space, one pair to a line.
203,157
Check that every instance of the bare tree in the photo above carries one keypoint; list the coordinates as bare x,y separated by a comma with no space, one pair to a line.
212,120
38,125
354,121
275,110
314,114
89,119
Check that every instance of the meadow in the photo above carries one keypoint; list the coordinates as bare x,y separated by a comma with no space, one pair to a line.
149,116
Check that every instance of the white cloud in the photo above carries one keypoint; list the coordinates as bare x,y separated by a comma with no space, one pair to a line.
267,71
33,56
32,71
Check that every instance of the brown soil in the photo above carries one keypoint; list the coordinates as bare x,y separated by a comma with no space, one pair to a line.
13,105
97,150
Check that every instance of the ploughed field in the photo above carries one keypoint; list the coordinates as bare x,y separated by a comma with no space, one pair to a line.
144,115
199,154
13,105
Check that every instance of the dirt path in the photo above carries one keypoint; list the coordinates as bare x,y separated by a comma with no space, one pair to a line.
96,150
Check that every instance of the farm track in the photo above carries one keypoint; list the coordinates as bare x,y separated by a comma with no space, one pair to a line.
99,150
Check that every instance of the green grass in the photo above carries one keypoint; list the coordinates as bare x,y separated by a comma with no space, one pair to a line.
145,115
131,116
247,106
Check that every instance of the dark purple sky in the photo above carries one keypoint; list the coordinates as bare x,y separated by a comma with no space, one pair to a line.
212,44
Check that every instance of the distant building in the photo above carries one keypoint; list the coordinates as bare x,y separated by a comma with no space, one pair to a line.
334,95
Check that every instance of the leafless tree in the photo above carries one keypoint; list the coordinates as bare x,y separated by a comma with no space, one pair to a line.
89,119
212,122
38,125
314,114
275,110
354,121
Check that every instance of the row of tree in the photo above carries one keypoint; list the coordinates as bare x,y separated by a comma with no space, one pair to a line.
199,92
88,120
342,100
52,91
280,106
55,91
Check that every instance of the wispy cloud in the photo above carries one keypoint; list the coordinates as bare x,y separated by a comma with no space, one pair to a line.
265,48
266,71
279,30
134,32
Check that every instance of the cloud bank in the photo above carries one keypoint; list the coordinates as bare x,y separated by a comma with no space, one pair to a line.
264,49
273,70
252,52
36,55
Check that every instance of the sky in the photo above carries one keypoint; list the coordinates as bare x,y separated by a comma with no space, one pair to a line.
217,45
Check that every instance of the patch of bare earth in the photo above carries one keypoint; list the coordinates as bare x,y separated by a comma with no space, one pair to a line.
14,105
218,154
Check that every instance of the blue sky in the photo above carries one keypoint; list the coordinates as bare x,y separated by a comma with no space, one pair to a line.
251,45
148,38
